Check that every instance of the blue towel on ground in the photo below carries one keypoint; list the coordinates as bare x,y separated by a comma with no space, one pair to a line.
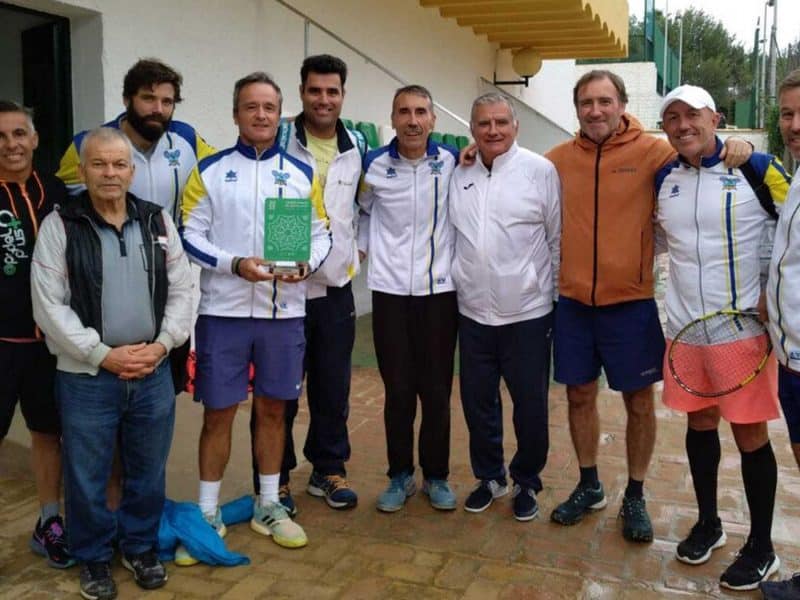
182,522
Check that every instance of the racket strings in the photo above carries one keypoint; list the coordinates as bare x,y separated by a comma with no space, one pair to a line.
719,354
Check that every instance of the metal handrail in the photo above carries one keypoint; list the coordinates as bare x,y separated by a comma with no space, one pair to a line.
367,58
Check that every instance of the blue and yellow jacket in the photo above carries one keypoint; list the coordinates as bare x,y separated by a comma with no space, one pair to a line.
223,213
714,225
160,176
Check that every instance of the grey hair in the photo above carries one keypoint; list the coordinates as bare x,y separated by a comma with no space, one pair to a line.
105,134
256,77
493,98
9,106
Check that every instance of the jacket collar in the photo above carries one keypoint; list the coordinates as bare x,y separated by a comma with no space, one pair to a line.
500,161
343,141
251,153
81,206
432,149
707,161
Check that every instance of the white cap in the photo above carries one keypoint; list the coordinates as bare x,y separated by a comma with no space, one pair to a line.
694,96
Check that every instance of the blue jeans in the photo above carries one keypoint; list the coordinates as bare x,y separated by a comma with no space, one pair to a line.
99,413
520,354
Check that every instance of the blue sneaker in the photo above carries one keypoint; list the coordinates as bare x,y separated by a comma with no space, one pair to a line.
334,488
285,498
394,497
439,493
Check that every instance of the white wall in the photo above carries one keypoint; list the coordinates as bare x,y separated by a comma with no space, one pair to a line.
549,92
213,43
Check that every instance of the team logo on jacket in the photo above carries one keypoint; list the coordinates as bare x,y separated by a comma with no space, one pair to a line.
172,157
729,183
281,177
794,354
391,173
675,191
230,176
436,167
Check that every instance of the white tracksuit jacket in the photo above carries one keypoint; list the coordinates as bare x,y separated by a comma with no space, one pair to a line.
783,289
713,225
508,233
405,223
223,217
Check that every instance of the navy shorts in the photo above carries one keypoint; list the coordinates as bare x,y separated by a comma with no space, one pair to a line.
225,348
789,395
27,373
624,339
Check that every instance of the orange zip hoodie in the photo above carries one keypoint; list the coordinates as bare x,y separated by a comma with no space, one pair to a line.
607,207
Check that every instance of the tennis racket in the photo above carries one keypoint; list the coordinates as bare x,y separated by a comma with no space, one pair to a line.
719,353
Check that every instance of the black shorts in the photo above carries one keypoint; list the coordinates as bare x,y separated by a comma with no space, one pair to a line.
27,372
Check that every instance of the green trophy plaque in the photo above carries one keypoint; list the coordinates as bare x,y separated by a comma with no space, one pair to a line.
287,235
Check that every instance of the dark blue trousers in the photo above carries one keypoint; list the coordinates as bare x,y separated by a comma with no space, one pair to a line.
520,354
330,327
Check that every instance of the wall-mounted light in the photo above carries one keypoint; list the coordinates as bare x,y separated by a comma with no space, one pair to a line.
526,63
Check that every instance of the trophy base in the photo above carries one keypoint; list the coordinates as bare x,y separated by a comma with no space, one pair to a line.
290,268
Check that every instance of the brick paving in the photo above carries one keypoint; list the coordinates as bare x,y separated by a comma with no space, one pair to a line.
422,553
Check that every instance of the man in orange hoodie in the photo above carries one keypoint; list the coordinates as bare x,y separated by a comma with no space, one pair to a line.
606,315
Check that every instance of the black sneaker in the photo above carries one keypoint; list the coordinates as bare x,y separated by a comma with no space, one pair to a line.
147,570
582,500
525,506
96,581
636,526
750,568
781,590
50,541
484,493
702,541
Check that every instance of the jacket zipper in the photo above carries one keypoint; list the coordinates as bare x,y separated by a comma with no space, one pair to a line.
596,218
413,234
697,243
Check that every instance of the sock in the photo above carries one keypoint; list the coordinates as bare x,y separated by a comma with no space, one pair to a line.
589,477
760,476
635,488
209,497
269,487
702,448
49,510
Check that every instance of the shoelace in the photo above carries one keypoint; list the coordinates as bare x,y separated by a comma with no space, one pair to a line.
99,570
337,482
635,507
55,535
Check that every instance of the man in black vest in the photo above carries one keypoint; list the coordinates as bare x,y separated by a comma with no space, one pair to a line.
111,290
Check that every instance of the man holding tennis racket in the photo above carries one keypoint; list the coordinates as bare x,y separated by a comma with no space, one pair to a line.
714,220
783,299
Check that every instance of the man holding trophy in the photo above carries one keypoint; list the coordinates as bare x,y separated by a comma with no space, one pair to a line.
253,219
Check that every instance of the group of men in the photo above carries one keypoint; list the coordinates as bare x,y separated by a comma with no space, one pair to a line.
509,251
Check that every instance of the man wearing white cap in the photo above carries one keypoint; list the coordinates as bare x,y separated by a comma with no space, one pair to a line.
714,221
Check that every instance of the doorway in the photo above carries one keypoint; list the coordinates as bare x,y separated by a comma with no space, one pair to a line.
35,62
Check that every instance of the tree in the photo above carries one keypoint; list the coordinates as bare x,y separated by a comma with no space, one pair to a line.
788,60
712,58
